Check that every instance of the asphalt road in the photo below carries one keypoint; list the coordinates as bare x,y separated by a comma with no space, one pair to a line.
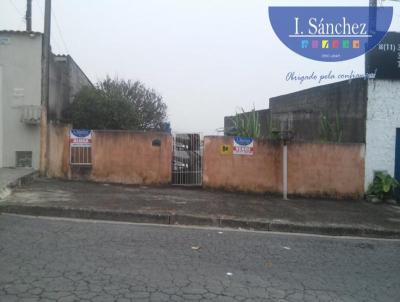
66,260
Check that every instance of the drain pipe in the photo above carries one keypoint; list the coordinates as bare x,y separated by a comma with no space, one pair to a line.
285,170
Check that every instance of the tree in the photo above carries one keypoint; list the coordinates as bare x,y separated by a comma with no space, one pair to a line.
118,105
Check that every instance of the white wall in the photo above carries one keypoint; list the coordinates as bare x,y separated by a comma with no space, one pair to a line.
383,117
20,59
1,117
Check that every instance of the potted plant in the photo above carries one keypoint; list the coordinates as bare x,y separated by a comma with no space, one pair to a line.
382,188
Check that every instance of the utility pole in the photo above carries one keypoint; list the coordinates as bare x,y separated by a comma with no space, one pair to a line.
46,56
285,170
28,16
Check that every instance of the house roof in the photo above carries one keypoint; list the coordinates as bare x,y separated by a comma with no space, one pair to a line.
20,32
35,33
72,61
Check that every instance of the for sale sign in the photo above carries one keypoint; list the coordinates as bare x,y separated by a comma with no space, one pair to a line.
80,138
243,146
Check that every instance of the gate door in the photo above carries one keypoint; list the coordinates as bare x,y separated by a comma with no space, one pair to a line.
187,167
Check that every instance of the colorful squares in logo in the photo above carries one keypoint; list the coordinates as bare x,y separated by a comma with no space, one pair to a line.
314,44
356,43
305,44
325,43
335,44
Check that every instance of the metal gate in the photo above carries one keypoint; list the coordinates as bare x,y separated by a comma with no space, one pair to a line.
187,163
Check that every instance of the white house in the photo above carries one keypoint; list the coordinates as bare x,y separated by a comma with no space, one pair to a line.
382,129
20,95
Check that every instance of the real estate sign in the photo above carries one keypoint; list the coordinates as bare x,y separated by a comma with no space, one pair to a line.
243,146
80,138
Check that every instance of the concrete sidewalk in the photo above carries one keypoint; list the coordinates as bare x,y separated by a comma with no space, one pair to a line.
172,205
12,177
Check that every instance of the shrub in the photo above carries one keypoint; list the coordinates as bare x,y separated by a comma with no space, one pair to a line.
383,186
247,124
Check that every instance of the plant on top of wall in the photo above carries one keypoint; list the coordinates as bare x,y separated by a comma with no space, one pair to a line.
331,131
247,124
274,132
382,188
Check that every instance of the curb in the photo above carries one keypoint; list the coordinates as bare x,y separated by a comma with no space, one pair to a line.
24,180
190,220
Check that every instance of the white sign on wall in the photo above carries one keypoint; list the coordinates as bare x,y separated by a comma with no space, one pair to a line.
243,146
80,138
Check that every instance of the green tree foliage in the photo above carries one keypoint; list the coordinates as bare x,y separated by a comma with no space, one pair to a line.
118,105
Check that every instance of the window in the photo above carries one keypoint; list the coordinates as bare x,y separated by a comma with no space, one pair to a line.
23,159
81,156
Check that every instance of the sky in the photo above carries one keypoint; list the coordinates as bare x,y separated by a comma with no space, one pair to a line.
207,58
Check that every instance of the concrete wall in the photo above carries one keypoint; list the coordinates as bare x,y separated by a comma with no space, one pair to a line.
318,170
20,61
382,120
117,157
58,151
130,158
1,117
59,87
66,80
302,111
332,170
258,173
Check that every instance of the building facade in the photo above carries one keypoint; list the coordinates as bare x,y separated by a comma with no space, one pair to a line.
382,124
357,111
20,95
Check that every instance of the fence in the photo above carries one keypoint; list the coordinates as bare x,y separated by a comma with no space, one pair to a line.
318,170
125,157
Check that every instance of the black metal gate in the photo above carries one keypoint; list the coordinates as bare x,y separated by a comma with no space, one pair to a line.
187,164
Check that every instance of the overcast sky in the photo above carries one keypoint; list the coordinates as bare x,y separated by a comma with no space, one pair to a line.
208,58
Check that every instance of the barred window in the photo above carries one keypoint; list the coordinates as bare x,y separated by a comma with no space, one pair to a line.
81,156
23,159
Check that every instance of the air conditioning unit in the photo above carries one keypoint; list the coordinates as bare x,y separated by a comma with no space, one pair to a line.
30,115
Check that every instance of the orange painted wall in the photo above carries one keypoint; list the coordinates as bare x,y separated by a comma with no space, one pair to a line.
129,157
58,151
318,170
256,173
334,170
125,157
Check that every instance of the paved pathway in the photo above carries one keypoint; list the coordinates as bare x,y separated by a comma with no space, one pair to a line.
54,260
11,175
306,215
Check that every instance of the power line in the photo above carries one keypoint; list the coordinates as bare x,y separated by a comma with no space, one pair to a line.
59,31
16,8
57,26
39,7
